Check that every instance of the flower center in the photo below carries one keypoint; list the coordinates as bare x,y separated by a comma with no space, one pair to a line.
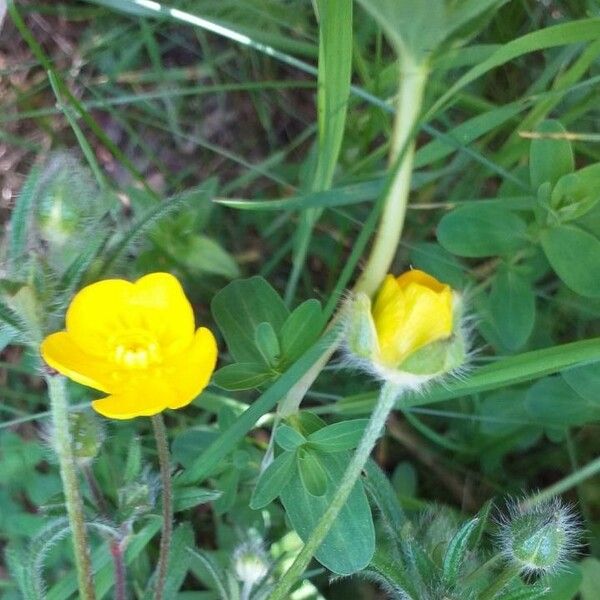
135,350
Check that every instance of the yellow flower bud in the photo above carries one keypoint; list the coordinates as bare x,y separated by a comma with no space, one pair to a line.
410,333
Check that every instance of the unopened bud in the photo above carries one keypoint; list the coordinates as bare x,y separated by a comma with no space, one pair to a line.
539,539
250,562
411,333
87,435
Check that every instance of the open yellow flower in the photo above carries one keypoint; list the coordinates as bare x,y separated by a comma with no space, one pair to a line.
136,342
409,334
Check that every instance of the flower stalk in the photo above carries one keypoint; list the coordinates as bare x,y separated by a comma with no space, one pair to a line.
385,404
164,459
413,79
68,472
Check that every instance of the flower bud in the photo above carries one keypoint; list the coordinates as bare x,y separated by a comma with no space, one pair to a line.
411,333
87,435
138,497
539,539
250,561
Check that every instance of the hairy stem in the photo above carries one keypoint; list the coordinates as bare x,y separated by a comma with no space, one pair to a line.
116,551
116,545
68,472
162,445
385,404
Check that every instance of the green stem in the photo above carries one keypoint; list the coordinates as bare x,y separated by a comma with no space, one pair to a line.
413,78
385,404
162,445
68,472
591,469
499,583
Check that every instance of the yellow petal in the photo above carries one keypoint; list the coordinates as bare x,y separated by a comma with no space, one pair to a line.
144,398
62,354
192,373
155,304
410,312
421,278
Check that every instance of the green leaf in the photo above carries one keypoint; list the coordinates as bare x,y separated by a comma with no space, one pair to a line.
573,254
512,306
553,403
549,158
585,380
191,442
288,438
224,444
204,255
590,568
228,484
340,551
242,376
21,215
436,261
455,555
333,80
413,27
576,194
312,474
239,308
189,497
339,436
179,559
482,230
273,479
301,329
267,343
509,371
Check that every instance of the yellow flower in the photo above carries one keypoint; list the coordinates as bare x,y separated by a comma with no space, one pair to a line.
135,342
410,333
410,312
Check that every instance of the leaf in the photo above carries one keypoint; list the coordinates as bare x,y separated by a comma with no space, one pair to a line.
205,255
573,253
576,194
301,329
189,497
312,474
214,454
585,380
213,569
339,436
553,403
242,376
228,484
20,217
590,568
455,555
179,559
335,70
340,551
191,442
147,221
267,343
481,230
288,438
436,261
549,158
273,479
240,307
512,306
509,371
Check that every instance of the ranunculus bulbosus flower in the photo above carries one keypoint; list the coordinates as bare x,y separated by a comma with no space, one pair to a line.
137,343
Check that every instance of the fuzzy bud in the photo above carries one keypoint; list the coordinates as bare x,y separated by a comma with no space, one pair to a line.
87,435
539,539
411,333
250,561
